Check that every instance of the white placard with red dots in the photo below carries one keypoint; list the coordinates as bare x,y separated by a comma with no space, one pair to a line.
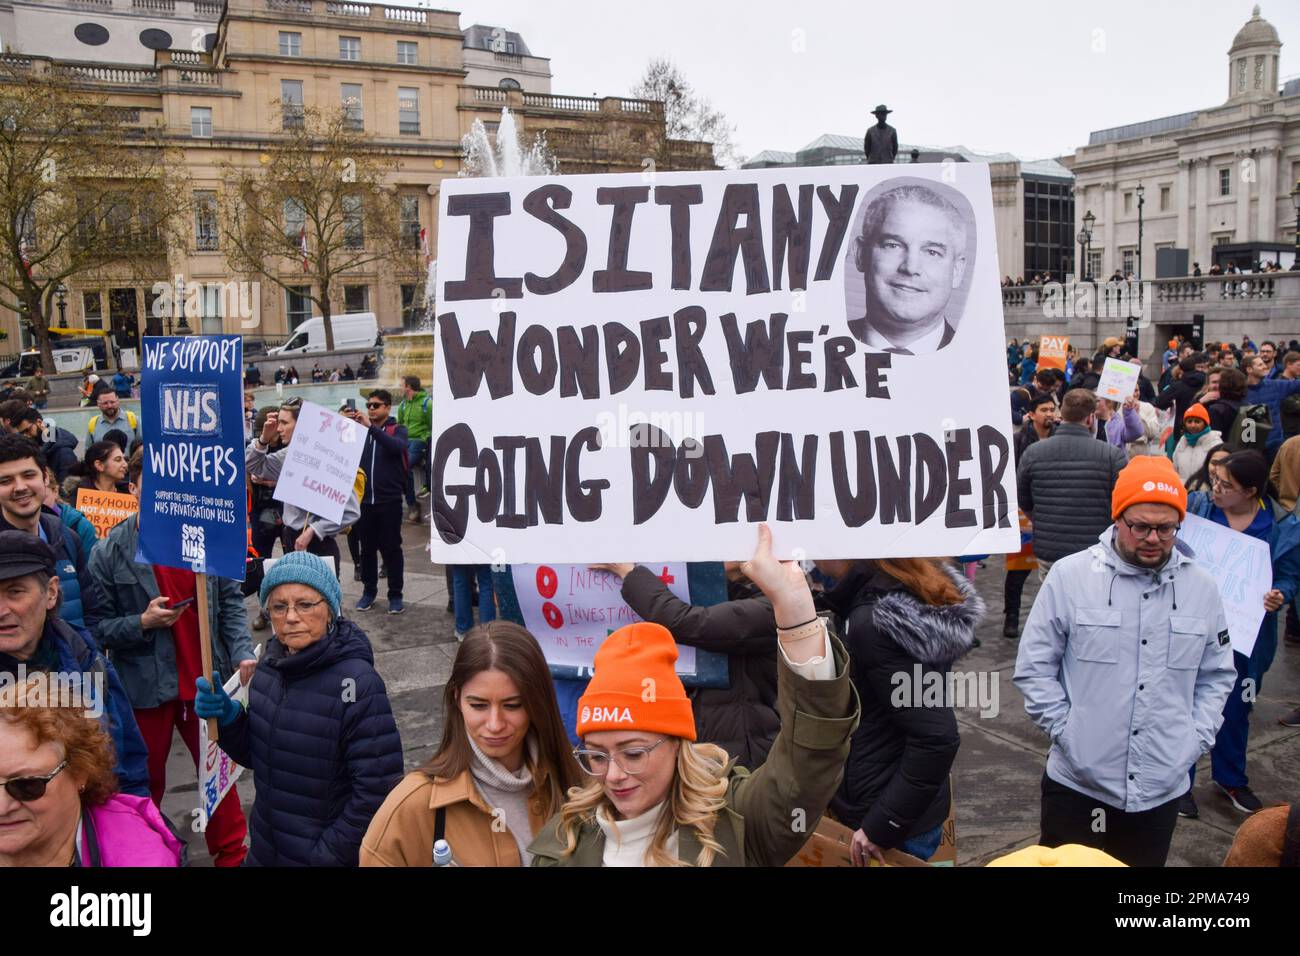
571,608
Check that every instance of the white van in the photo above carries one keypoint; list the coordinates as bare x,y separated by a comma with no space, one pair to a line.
355,330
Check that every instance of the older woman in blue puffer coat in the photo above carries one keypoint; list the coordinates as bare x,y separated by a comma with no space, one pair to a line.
318,732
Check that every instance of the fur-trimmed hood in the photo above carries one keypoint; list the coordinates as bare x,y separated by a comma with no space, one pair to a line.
936,635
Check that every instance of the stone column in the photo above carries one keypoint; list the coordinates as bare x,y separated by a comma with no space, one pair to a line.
1183,203
1109,261
1268,193
1201,242
1242,186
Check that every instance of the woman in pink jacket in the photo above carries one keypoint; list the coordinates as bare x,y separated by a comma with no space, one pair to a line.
58,799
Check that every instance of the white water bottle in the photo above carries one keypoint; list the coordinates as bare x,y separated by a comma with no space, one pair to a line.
442,854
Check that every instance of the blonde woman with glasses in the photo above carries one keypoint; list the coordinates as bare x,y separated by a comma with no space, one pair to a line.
656,797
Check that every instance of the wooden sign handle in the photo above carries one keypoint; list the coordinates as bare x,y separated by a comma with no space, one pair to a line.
205,639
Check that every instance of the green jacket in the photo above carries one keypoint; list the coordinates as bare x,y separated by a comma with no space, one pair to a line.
415,414
771,812
39,387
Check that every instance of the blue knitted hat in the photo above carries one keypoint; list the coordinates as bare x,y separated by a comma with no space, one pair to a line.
300,567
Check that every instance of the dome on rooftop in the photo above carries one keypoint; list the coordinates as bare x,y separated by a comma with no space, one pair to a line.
1257,30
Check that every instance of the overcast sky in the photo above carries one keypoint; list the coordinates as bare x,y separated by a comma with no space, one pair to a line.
1016,76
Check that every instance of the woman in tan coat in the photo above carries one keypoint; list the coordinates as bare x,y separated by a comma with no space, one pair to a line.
503,767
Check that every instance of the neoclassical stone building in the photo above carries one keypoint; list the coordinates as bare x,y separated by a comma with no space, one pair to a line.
1217,181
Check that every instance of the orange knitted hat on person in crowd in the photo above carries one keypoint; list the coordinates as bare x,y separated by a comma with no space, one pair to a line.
1197,410
1148,479
635,685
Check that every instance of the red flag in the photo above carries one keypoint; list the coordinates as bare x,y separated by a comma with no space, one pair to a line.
424,244
22,251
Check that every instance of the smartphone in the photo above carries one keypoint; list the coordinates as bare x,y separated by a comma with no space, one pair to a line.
351,404
179,604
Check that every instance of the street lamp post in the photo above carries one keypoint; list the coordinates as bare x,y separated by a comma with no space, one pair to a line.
61,294
1141,194
1086,234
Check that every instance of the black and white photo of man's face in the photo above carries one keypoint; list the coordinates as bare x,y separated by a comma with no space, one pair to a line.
911,264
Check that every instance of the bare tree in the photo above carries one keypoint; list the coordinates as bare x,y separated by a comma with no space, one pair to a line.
687,115
84,188
316,207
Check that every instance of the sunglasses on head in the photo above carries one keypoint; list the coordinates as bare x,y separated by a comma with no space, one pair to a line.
27,789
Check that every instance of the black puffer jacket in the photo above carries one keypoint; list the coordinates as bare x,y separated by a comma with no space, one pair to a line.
1064,483
320,739
742,718
896,779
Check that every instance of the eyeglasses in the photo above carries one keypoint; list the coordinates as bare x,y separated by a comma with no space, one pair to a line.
1163,531
1222,484
291,403
375,404
633,760
280,608
27,789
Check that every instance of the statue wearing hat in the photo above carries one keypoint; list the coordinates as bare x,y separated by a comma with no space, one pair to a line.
881,142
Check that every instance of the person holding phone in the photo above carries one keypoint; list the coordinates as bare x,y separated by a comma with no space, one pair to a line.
151,626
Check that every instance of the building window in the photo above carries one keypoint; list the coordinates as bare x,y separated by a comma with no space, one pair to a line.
412,306
205,220
1128,202
201,122
297,305
291,106
1225,181
1127,258
408,52
356,298
353,118
509,83
92,310
295,218
290,44
408,110
1164,198
410,221
1094,263
349,48
354,236
211,307
1223,239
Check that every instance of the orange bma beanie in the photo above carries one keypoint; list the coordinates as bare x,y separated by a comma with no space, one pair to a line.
635,686
1148,479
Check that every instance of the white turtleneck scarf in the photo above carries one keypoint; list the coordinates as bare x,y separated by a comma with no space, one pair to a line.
508,792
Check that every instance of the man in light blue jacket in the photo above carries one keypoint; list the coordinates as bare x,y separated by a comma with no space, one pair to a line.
1126,663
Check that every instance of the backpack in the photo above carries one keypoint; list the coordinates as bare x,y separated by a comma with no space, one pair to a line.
1250,428
94,420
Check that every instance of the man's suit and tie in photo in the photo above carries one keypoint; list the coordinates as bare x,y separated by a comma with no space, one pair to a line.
912,253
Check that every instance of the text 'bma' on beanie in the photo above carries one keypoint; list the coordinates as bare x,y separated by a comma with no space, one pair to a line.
1148,479
635,685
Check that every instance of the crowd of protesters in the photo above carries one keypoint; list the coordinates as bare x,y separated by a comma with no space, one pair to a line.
1124,659
1218,436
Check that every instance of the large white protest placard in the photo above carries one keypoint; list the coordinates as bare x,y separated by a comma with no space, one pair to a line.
633,369
321,466
1243,569
1118,379
571,608
218,772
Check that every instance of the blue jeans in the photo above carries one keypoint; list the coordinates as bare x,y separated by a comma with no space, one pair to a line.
415,450
460,595
923,845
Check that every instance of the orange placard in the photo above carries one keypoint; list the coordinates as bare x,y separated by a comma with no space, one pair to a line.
1052,351
105,510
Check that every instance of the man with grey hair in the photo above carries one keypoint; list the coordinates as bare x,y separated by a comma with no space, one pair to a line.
912,256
